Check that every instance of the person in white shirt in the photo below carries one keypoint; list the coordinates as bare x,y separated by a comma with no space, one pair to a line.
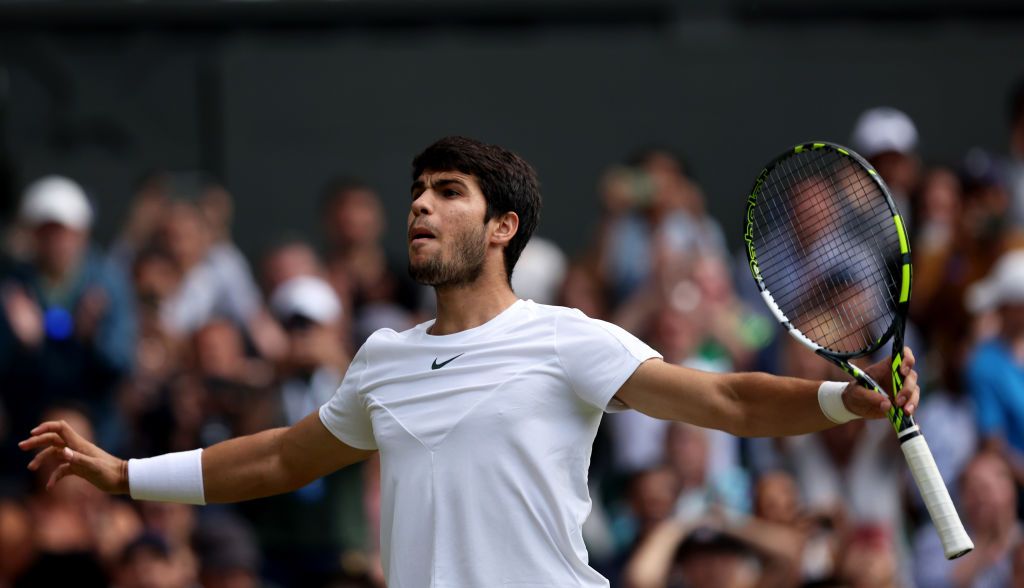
484,417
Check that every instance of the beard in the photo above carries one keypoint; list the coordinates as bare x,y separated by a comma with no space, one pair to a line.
465,267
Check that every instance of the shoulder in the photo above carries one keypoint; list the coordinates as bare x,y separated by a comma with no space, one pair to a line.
387,337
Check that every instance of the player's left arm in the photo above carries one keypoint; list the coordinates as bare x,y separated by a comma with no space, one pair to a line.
754,404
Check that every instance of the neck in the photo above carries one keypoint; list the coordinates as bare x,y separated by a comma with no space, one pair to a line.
470,305
55,274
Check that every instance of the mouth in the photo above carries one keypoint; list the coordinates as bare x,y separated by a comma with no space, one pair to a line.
420,234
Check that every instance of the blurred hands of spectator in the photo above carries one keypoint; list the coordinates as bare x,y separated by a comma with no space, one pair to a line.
24,316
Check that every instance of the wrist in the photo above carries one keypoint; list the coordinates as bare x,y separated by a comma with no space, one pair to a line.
122,478
830,400
172,477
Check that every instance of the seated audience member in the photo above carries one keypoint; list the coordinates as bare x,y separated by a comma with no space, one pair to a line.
289,258
540,272
66,319
146,563
358,265
78,532
988,505
17,550
869,558
228,554
887,138
305,533
175,524
216,281
994,376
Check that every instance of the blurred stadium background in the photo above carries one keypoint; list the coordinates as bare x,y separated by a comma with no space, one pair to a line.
246,168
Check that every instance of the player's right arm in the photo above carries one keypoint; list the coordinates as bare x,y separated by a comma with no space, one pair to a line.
266,463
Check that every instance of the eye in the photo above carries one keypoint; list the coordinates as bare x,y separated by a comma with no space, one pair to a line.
451,193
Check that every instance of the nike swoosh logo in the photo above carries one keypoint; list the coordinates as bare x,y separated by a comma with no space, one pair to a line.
437,366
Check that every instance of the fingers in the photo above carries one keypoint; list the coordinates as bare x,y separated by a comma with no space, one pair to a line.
866,403
909,396
43,456
42,440
54,433
58,475
908,361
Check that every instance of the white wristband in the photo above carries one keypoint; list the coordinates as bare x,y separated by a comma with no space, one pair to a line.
172,477
830,399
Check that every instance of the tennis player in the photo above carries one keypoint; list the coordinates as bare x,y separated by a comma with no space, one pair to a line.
484,417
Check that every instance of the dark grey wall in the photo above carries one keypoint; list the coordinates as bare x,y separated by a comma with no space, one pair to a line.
278,111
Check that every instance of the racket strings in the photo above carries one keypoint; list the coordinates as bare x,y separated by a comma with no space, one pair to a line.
824,236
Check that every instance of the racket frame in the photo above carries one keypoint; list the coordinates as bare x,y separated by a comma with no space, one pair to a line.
954,538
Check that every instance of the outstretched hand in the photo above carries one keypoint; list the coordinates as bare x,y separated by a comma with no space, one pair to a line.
870,404
76,456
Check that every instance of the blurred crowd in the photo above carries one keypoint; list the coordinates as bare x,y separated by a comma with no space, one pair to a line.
170,339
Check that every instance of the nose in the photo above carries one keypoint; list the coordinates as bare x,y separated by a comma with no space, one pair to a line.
422,204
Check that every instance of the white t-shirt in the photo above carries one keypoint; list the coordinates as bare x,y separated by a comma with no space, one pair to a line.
485,438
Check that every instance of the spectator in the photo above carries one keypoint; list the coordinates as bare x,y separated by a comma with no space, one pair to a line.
989,508
711,559
887,138
315,525
359,268
67,328
869,559
540,272
289,258
652,215
216,281
78,532
994,377
174,524
228,554
146,563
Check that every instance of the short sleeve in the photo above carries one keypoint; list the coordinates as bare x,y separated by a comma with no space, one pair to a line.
598,357
345,415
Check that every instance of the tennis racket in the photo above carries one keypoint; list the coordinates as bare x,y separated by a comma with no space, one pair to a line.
830,255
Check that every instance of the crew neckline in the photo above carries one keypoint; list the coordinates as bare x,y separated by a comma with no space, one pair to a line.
495,321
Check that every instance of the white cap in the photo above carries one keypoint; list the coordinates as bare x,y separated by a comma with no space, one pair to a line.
1003,285
306,296
540,271
56,199
884,129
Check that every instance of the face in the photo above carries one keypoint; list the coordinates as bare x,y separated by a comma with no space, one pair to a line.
775,498
355,218
185,234
988,493
58,248
448,238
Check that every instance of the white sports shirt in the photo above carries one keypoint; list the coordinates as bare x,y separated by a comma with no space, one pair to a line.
485,438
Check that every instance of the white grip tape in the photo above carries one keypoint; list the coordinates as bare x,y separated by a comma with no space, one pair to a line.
172,477
955,541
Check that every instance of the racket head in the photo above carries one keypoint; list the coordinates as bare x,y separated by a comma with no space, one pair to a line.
828,249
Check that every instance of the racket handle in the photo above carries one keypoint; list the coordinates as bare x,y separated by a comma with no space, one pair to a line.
955,541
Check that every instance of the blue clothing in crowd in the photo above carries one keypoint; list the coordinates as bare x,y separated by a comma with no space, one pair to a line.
66,367
996,383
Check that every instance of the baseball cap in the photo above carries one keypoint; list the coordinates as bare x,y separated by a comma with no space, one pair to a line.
884,129
305,296
540,271
1003,285
56,199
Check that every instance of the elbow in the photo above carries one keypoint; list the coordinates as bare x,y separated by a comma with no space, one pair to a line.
735,414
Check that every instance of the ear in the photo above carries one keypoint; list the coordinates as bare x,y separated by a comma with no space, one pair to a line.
504,227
